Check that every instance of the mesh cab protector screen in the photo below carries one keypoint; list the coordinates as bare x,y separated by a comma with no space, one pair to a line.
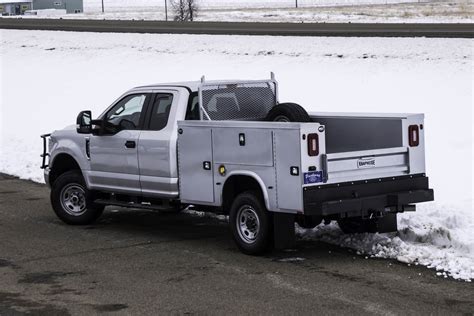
240,101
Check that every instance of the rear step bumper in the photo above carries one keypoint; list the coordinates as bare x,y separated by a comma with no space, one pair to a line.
364,197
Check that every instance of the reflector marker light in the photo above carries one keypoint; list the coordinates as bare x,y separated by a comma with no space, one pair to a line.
313,145
413,135
222,170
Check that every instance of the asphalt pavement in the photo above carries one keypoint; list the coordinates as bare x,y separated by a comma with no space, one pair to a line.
244,28
144,262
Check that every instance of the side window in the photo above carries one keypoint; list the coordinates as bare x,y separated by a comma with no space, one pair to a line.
192,112
127,112
160,111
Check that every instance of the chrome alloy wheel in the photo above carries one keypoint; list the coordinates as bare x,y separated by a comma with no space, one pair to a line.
73,199
248,224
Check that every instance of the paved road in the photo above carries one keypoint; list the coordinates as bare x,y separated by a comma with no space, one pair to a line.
143,262
290,29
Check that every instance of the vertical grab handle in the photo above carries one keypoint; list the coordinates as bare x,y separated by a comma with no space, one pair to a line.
324,161
45,153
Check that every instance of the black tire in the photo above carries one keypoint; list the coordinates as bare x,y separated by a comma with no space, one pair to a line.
68,190
252,205
288,112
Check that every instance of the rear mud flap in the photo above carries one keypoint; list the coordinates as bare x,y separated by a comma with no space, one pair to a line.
284,231
386,224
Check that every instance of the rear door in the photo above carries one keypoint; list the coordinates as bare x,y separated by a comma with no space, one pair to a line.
114,155
157,146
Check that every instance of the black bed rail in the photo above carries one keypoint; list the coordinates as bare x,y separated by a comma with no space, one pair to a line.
45,151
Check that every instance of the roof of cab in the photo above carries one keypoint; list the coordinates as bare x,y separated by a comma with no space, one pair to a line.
191,85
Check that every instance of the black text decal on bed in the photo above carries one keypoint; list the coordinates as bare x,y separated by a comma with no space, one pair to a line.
366,163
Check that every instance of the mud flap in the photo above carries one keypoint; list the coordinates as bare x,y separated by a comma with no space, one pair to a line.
284,230
386,224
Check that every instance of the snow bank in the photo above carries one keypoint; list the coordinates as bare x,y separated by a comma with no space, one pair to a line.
49,77
435,237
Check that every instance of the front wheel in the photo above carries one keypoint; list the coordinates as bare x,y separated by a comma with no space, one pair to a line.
251,224
71,200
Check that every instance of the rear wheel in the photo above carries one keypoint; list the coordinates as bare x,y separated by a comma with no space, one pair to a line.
72,201
250,223
288,112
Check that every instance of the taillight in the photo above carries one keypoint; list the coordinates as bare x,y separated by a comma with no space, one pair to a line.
413,135
313,145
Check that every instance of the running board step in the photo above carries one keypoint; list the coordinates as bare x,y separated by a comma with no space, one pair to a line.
143,205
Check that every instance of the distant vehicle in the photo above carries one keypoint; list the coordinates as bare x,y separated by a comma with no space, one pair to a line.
230,147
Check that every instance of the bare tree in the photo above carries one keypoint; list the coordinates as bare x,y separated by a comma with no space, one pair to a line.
184,10
192,9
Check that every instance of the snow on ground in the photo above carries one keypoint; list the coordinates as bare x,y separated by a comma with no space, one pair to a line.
233,4
48,77
362,11
435,236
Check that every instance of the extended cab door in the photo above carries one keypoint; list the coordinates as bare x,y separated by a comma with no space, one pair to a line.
114,155
157,144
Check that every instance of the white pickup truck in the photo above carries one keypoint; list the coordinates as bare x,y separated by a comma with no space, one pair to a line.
231,147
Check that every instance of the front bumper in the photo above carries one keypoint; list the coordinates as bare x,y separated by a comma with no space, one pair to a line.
364,197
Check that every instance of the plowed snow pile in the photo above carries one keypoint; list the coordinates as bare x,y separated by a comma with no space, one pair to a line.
429,237
48,77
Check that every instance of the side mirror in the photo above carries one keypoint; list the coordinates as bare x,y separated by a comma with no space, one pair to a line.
84,122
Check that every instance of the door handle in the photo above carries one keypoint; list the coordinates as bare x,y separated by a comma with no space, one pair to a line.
130,144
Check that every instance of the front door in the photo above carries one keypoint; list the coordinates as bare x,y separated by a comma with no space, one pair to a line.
114,154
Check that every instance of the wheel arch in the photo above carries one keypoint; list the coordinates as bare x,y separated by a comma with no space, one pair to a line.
241,181
62,163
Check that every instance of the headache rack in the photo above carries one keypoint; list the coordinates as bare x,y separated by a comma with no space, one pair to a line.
237,100
45,153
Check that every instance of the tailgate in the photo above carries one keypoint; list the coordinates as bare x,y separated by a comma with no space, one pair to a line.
366,164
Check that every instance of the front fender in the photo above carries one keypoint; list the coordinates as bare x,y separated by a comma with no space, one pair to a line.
73,149
68,142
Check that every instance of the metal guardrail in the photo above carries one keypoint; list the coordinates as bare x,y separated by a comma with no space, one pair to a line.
460,30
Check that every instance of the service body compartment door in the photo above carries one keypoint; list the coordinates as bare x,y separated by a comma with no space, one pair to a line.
243,146
289,186
196,182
